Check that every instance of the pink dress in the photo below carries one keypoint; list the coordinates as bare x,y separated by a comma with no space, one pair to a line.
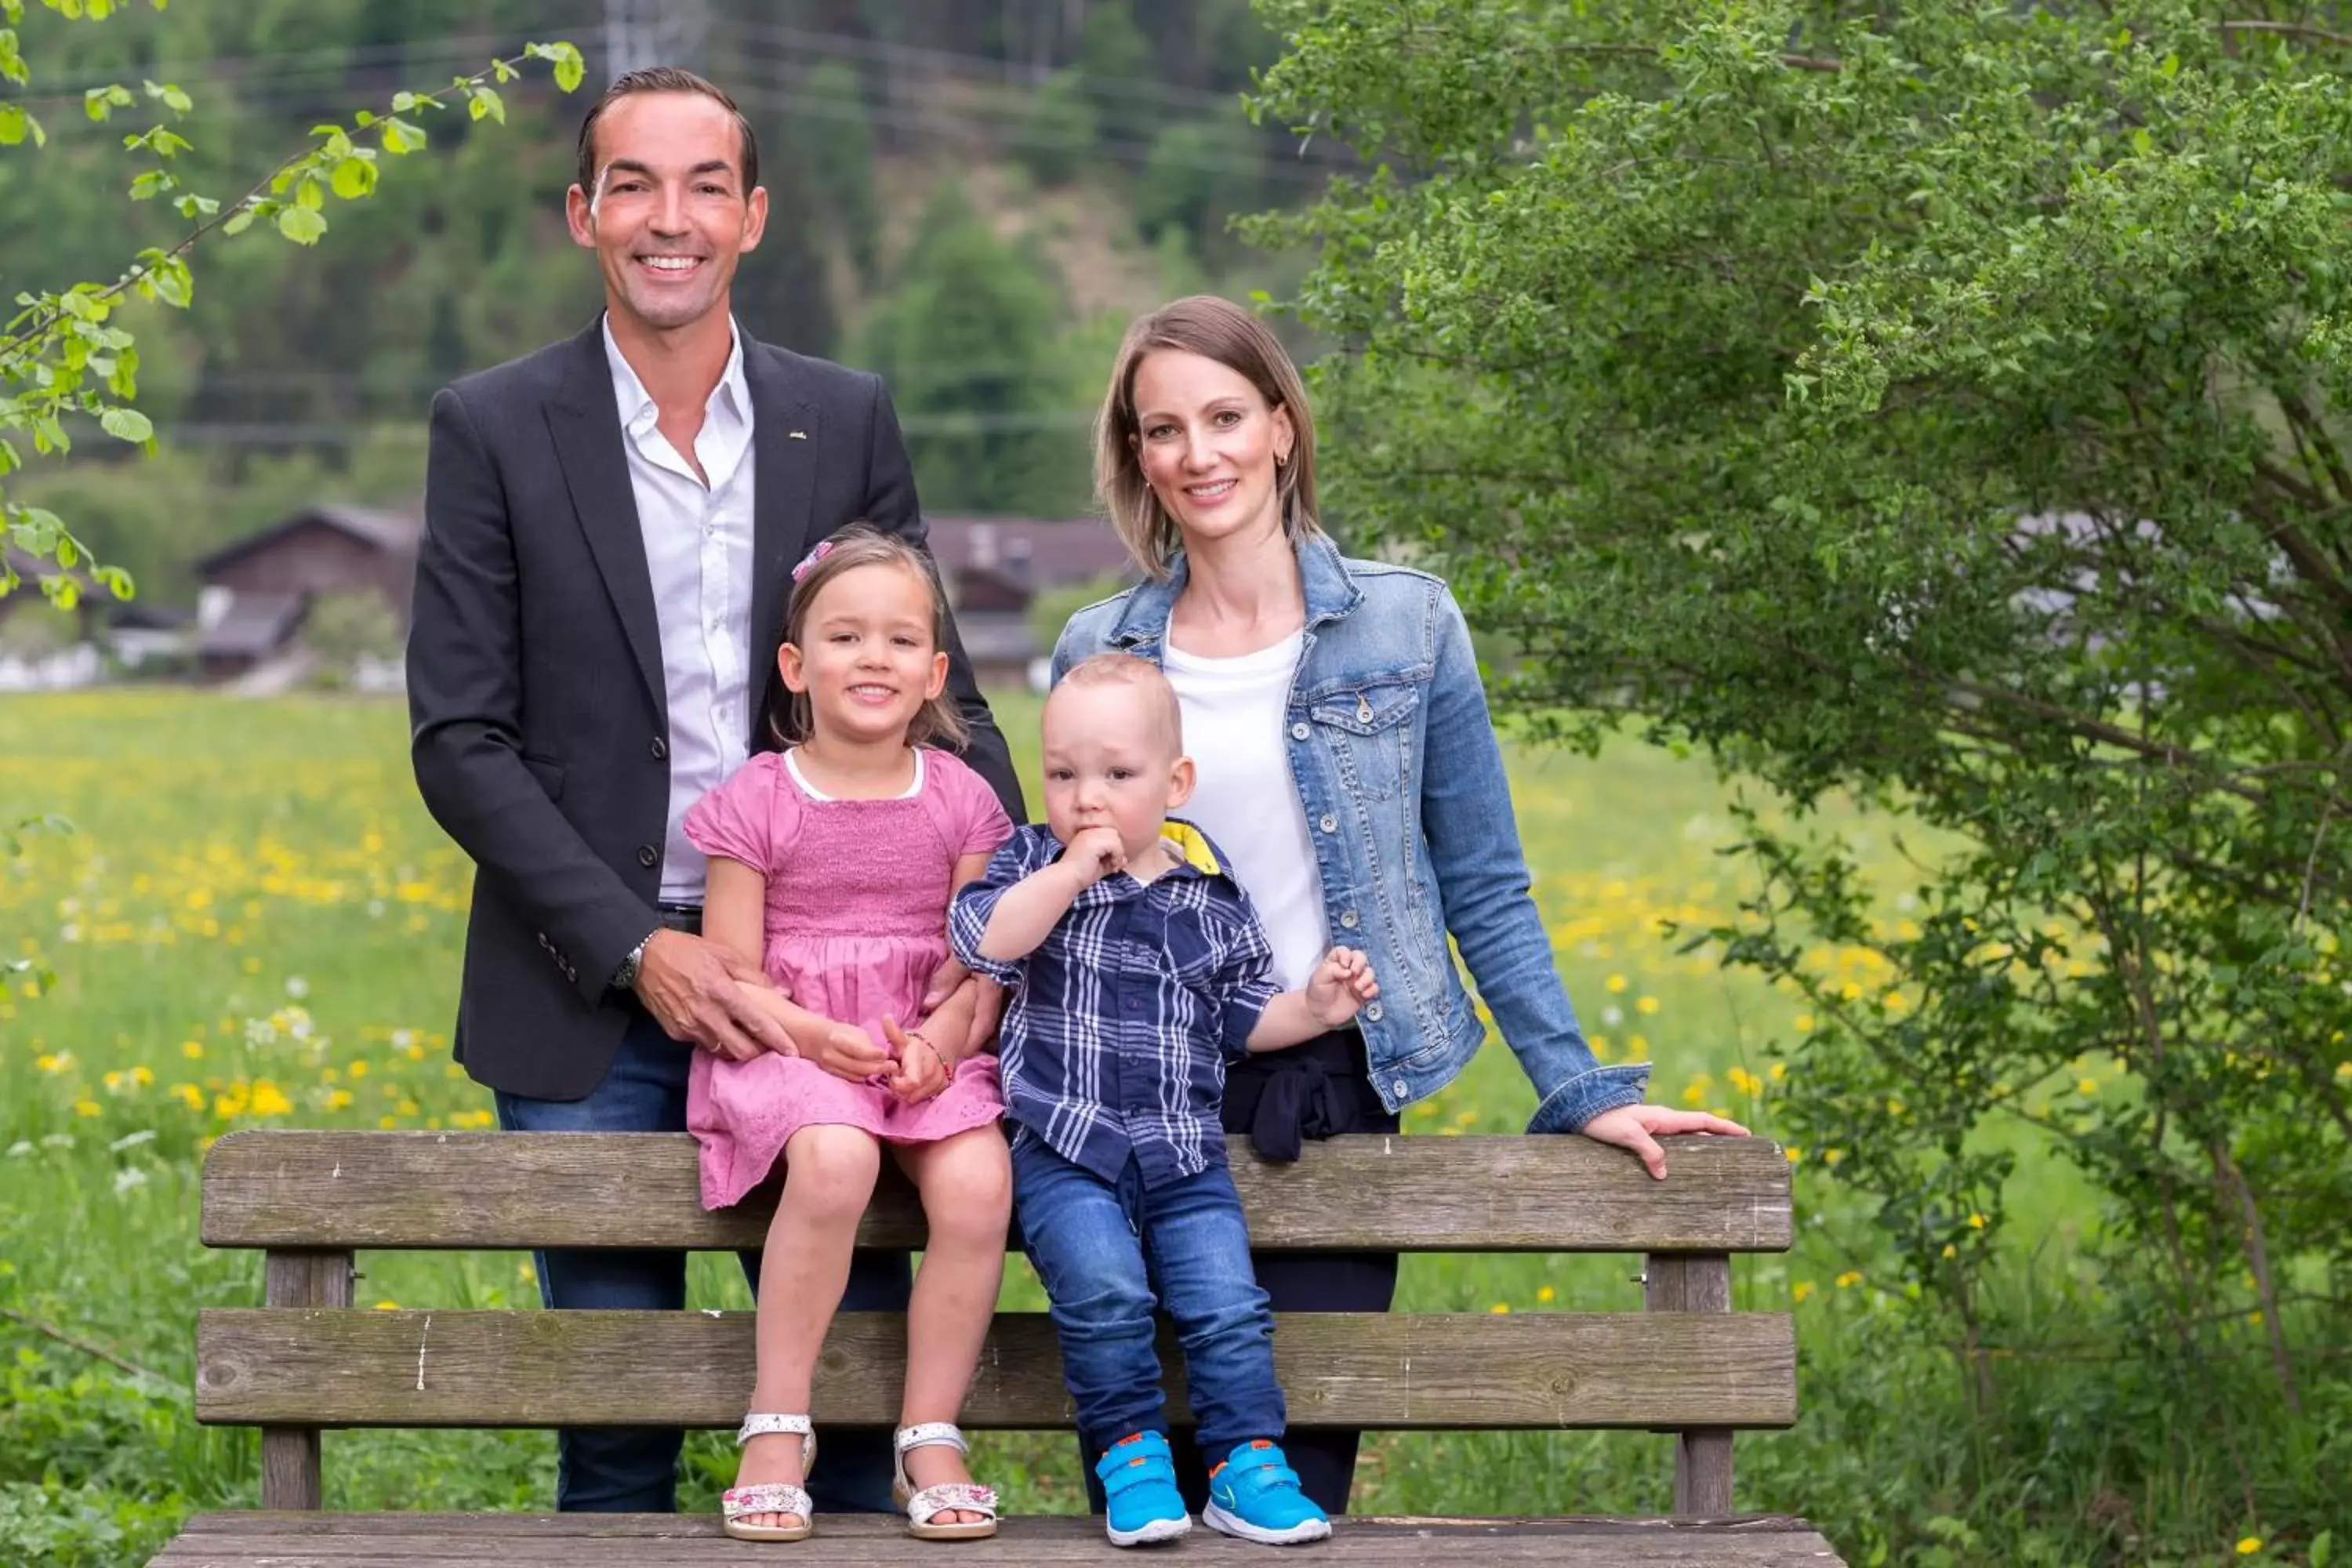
856,924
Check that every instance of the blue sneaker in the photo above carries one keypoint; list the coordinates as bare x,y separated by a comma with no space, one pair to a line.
1255,1495
1140,1490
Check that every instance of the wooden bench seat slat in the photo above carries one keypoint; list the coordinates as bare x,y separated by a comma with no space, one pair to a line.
639,1541
457,1190
416,1368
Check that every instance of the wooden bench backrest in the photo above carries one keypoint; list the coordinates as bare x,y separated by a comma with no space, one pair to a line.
308,1359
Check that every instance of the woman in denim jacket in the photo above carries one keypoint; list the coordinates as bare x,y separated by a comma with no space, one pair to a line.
1349,773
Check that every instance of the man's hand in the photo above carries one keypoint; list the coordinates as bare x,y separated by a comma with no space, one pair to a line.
1639,1128
923,1068
945,978
696,990
1341,984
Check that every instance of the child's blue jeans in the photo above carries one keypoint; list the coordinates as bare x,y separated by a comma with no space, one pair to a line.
1108,1252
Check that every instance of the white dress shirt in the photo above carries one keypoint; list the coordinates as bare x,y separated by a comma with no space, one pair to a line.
699,552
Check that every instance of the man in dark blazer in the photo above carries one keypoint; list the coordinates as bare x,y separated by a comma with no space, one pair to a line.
610,528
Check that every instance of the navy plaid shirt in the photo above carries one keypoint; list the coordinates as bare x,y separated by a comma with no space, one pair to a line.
1123,1018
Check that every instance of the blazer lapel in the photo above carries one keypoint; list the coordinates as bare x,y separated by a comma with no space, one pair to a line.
785,434
585,422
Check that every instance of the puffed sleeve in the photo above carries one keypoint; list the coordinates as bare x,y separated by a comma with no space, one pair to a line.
750,817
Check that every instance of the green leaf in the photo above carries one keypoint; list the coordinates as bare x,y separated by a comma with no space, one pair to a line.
238,221
15,125
302,225
353,178
402,102
309,194
127,425
570,68
401,137
68,555
486,103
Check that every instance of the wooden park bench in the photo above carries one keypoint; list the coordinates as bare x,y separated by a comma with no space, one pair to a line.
1687,1365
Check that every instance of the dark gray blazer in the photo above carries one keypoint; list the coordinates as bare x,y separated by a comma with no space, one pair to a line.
539,720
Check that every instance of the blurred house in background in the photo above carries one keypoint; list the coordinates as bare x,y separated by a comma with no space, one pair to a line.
995,568
257,591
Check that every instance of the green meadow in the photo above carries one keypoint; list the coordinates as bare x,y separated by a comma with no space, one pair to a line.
253,922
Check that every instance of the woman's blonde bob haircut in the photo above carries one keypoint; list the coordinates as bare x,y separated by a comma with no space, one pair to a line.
1221,330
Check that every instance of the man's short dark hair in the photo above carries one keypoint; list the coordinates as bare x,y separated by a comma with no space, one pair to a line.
664,79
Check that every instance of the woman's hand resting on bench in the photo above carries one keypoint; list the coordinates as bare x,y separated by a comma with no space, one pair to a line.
1639,1128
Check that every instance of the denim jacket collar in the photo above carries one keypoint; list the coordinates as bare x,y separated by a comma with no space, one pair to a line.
1330,593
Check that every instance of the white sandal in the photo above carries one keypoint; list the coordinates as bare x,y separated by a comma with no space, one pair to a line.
948,1497
738,1503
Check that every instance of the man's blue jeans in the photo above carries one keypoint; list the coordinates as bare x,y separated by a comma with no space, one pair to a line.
1108,1252
634,1469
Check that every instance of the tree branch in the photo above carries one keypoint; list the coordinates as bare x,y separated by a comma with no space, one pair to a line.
51,1332
2291,29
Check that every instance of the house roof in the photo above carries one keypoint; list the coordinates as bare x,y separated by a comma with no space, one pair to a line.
252,625
1057,551
392,532
995,636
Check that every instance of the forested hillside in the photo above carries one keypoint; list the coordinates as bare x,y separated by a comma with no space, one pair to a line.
970,195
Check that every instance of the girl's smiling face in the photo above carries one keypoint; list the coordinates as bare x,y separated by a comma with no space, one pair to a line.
867,661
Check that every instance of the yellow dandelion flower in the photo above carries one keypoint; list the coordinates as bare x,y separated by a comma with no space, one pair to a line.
1646,1004
1780,1071
387,1122
1950,1251
1805,1022
251,966
1850,1279
1618,982
1796,1155
1544,1293
2086,1086
1975,1222
387,1306
192,1049
1500,1309
1832,1156
359,1069
2249,1545
1800,1289
88,1107
189,1095
339,1099
1894,1107
54,1062
1850,991
268,1099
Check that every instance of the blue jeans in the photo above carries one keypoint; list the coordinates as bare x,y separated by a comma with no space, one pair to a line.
1110,1252
634,1469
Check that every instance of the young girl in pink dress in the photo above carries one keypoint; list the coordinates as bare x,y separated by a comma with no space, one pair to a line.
833,862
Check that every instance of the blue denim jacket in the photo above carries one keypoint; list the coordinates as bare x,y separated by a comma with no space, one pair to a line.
1410,852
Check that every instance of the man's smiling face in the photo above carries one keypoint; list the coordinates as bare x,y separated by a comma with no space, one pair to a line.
668,216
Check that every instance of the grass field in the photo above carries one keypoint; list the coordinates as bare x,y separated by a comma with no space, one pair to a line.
255,923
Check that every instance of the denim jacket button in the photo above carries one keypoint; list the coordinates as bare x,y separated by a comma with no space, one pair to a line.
1330,824
1373,1013
1299,732
1348,919
1399,1087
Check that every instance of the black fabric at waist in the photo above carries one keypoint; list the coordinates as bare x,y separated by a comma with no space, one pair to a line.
1318,1089
686,917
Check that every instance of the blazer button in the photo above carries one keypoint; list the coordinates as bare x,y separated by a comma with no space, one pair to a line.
647,856
660,748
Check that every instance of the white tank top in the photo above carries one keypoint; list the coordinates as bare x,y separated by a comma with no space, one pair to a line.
1246,798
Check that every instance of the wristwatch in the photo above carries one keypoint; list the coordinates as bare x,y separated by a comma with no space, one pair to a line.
625,978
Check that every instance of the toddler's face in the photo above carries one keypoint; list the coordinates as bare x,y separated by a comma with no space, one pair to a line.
1110,764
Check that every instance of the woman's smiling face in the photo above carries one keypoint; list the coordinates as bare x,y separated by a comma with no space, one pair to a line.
1209,446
